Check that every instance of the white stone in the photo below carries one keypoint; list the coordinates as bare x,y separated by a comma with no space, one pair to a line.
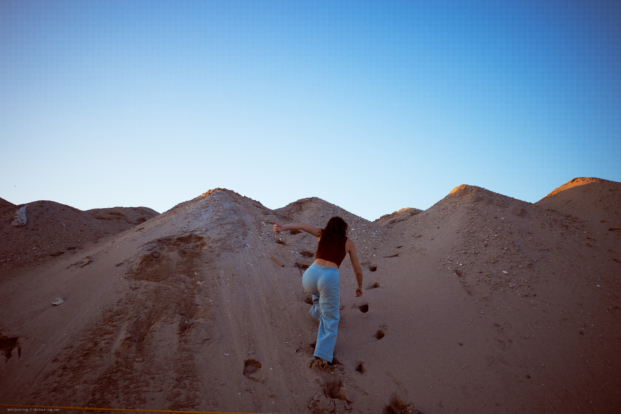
57,301
20,217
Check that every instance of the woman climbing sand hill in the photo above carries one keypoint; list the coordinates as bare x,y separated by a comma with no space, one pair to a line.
322,280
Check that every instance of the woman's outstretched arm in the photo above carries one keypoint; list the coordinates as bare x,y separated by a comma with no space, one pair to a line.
315,231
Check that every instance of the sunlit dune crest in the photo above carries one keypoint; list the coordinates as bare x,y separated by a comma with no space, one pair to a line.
459,188
578,181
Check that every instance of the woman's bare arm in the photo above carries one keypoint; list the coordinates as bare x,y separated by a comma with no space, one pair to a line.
353,256
315,231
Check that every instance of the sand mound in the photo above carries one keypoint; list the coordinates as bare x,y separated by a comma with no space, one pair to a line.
468,306
577,182
53,229
474,194
397,216
591,199
315,211
123,216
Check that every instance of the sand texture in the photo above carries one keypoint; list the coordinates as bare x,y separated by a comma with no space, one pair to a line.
480,304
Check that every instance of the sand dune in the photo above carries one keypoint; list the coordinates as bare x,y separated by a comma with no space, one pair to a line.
480,304
54,229
577,182
597,203
397,216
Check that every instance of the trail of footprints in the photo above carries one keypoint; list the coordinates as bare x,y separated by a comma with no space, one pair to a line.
333,398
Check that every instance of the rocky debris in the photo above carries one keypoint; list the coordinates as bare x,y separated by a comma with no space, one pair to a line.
20,219
57,301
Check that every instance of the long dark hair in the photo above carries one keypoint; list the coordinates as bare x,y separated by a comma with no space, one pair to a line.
333,235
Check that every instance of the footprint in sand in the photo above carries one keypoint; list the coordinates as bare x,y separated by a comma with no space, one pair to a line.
360,367
331,399
334,389
397,406
322,364
319,363
252,369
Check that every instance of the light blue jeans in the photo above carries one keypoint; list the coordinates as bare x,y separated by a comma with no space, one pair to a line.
323,283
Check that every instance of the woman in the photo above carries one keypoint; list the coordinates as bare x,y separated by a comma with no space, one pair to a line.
322,280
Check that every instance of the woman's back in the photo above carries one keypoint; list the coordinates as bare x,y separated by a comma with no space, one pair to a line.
332,250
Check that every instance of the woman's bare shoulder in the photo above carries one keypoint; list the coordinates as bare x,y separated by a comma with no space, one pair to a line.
349,245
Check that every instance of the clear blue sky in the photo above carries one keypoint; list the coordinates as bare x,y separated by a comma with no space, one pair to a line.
370,105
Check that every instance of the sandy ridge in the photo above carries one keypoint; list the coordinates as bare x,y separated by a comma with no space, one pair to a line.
469,306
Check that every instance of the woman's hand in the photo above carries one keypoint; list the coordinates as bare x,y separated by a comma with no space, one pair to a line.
278,228
358,292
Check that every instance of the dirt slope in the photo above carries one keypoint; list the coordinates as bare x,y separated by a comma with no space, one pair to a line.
482,303
591,199
397,216
546,328
5,204
53,229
